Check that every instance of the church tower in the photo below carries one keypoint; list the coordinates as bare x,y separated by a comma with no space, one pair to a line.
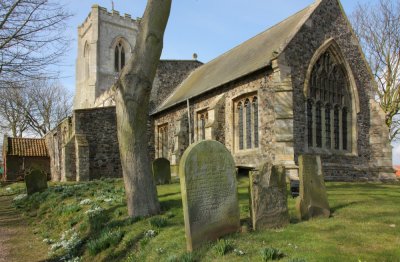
105,44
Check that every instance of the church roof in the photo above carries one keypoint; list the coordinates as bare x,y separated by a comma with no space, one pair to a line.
248,57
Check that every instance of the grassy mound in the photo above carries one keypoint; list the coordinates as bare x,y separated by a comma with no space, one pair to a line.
89,222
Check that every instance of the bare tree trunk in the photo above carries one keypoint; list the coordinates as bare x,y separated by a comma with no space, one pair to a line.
132,107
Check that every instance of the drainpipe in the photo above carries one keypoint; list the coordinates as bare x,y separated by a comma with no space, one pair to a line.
190,128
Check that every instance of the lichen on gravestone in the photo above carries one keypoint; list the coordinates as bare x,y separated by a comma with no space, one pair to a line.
313,200
268,197
209,193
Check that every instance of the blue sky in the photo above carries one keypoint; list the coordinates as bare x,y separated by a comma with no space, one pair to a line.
206,27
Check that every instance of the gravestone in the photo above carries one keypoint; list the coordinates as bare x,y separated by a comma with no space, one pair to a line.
209,193
268,197
162,171
36,181
313,201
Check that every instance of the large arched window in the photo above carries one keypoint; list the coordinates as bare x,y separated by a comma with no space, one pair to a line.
327,105
247,122
119,57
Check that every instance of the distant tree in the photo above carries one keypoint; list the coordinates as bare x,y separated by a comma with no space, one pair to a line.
378,29
12,118
132,107
34,110
31,39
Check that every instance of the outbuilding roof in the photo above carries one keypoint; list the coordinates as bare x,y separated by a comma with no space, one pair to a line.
248,57
26,147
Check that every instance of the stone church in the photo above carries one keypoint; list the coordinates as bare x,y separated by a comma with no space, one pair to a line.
302,86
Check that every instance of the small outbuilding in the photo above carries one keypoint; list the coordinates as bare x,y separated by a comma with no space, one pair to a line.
23,154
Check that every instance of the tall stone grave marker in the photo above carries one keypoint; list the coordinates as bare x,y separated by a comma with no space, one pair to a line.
313,201
209,192
36,181
162,171
268,193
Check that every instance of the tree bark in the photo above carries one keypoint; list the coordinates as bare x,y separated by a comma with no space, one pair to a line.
132,107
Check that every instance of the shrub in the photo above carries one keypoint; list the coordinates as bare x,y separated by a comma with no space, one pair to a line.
107,239
223,246
158,222
270,253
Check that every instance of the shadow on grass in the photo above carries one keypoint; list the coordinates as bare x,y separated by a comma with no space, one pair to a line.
343,205
170,204
169,194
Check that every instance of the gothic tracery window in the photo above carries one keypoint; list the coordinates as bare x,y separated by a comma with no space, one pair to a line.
327,105
247,123
119,57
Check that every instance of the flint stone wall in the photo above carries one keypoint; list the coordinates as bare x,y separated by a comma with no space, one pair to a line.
256,84
328,22
99,126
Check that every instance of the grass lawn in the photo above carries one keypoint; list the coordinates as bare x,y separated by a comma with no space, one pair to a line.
89,221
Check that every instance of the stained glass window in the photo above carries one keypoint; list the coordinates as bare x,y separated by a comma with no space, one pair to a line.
336,127
328,85
240,125
344,128
255,110
247,105
328,126
318,126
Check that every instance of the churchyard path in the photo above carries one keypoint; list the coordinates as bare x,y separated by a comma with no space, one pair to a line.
17,240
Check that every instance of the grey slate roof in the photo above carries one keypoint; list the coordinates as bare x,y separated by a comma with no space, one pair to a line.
248,57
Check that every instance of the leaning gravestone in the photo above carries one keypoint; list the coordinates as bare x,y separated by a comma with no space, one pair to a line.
313,201
268,197
209,192
162,171
36,181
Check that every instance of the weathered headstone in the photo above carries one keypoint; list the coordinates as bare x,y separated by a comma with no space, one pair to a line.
161,171
313,201
36,181
209,192
268,197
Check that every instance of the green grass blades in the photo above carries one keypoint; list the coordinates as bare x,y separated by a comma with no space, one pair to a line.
89,221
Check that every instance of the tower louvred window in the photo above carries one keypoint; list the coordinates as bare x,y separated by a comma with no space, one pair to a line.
119,57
